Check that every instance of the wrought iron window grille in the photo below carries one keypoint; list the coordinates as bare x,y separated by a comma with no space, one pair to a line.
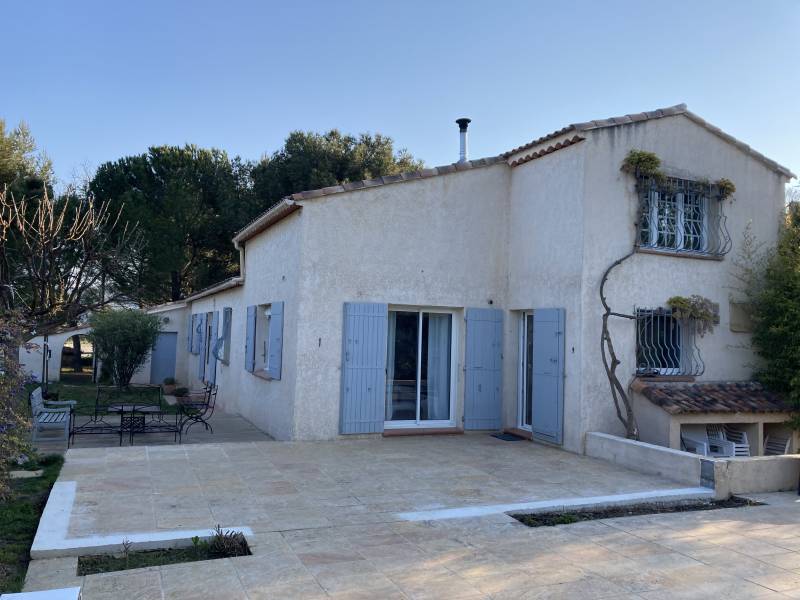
681,216
665,345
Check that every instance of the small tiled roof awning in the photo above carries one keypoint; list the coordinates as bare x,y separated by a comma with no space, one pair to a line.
717,397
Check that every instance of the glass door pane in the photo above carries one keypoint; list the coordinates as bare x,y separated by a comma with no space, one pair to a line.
527,407
401,366
434,401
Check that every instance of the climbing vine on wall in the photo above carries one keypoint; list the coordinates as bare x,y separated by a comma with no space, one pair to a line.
645,167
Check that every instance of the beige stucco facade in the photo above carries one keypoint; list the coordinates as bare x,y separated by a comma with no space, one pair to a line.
535,235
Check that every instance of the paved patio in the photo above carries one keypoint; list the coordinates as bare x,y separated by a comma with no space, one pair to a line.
227,428
330,520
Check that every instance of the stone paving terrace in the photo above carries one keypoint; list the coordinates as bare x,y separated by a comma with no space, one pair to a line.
281,486
325,520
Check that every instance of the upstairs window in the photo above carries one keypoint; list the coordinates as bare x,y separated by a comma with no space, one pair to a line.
679,215
665,345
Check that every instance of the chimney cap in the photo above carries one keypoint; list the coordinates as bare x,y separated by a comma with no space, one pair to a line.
462,123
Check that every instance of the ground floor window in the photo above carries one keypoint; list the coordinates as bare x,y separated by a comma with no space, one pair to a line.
419,368
525,416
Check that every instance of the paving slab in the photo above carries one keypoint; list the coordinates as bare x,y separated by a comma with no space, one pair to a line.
325,520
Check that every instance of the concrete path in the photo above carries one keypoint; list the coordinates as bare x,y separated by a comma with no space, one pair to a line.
325,520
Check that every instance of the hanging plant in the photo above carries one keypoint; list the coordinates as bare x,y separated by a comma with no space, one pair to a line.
643,164
699,309
725,188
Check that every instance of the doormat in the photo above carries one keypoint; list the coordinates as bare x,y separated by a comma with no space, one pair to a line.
508,437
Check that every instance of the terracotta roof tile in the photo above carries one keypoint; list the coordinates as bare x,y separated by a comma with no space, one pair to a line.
716,397
678,109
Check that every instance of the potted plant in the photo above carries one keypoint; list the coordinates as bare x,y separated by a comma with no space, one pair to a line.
169,385
181,392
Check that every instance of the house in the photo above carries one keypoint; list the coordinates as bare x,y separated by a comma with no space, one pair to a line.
465,297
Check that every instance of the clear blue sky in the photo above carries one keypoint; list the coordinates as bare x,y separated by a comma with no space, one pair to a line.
97,80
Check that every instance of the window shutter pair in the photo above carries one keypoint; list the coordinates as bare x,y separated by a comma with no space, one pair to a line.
275,357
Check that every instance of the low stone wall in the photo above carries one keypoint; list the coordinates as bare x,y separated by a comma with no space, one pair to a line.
757,474
683,467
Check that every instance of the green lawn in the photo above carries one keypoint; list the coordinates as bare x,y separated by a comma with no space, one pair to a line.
85,393
19,517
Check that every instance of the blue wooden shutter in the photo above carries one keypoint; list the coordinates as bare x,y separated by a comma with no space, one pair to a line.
211,376
197,333
250,340
548,374
275,340
189,332
483,369
363,399
201,358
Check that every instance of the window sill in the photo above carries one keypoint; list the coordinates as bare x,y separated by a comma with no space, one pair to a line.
262,375
679,253
676,378
422,431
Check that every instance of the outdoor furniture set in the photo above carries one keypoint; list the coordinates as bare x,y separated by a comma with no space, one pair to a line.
125,412
727,441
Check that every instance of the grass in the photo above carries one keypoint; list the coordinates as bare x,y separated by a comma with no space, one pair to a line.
19,518
567,518
85,394
221,545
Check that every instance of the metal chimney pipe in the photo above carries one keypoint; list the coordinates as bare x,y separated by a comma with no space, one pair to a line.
463,123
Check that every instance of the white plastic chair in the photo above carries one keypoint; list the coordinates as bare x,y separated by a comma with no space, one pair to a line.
775,445
731,442
694,445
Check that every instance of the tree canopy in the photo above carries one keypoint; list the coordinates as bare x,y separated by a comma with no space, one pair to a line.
189,202
309,161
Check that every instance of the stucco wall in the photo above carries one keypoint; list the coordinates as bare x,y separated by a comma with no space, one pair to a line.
545,259
272,271
173,320
610,207
431,242
31,358
228,376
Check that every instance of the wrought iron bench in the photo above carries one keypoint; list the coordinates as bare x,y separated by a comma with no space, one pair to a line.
50,414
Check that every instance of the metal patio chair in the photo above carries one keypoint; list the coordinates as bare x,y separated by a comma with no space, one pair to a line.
198,409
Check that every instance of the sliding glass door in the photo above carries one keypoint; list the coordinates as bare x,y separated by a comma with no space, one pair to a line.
419,368
525,418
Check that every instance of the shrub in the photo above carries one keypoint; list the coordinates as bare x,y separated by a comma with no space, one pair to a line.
169,381
122,340
181,392
776,313
13,398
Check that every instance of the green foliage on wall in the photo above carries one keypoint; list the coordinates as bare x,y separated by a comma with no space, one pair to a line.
643,164
699,309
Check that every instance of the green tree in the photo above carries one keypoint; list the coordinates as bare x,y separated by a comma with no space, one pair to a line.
23,170
775,297
180,198
310,160
122,341
188,202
